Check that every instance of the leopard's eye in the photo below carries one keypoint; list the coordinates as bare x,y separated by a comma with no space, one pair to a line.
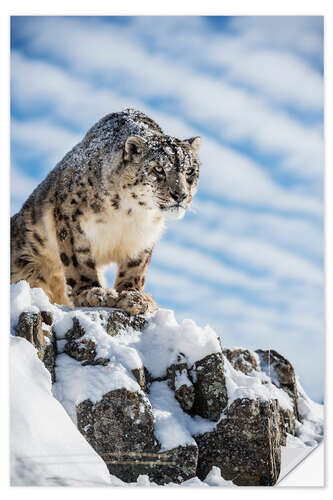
190,171
159,170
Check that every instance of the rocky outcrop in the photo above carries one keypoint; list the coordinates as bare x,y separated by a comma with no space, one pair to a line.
244,435
36,328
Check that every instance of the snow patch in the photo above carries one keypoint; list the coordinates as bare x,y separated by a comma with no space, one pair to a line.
46,448
174,427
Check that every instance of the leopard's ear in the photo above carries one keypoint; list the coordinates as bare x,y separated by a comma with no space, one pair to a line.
135,147
194,142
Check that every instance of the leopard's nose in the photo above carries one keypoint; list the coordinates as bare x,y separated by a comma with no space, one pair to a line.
178,197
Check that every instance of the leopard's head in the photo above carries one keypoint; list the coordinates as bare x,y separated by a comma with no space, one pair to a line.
162,172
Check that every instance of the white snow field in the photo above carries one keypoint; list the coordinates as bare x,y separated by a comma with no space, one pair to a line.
46,447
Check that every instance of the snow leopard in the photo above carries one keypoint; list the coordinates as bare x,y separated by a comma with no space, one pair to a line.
105,202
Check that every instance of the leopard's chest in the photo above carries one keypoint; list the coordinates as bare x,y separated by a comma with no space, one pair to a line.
117,235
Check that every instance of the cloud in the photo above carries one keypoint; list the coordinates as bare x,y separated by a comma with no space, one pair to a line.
206,267
249,53
233,176
44,138
227,110
294,233
255,253
302,35
21,186
225,173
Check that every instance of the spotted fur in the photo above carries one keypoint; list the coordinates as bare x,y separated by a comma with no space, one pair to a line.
106,201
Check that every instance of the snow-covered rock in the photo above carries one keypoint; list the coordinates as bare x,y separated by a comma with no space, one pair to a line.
157,400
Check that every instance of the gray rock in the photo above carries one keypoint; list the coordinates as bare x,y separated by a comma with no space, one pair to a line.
81,349
287,424
245,445
179,381
119,321
139,374
30,327
281,373
209,385
47,317
120,428
242,360
174,466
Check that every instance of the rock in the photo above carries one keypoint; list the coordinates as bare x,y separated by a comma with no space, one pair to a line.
120,429
245,445
139,374
47,317
242,360
30,327
209,385
80,348
119,321
148,379
180,383
47,354
281,373
287,425
174,466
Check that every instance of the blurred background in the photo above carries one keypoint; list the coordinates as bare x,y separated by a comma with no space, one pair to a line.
248,258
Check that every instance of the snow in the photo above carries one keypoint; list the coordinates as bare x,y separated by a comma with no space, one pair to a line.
46,449
181,379
20,301
311,431
164,339
76,383
60,453
255,385
214,478
174,427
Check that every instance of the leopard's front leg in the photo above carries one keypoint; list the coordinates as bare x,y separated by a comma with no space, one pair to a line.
85,288
130,284
82,277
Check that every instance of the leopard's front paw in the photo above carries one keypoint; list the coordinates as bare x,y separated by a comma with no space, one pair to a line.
135,302
97,297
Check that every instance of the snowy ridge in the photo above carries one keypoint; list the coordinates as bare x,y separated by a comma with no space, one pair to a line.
156,349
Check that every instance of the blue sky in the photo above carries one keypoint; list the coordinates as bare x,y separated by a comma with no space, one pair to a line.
248,258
